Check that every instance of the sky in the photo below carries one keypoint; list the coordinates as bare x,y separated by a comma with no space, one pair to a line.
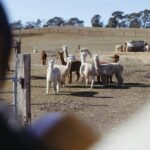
31,10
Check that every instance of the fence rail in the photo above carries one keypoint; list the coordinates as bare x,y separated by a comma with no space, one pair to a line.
120,32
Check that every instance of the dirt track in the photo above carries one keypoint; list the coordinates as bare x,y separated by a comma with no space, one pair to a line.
102,107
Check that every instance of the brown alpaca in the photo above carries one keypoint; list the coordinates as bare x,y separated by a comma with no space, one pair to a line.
43,57
75,66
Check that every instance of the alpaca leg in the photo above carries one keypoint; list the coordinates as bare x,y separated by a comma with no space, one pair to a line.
110,77
83,80
78,75
92,81
63,82
48,87
70,78
58,86
86,81
119,78
54,88
42,61
104,79
98,79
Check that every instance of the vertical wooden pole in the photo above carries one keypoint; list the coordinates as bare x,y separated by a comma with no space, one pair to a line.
23,89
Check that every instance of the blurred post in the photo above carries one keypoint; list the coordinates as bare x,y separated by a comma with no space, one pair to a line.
23,89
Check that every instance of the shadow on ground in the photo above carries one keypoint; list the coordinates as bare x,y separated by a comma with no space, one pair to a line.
110,86
37,78
88,94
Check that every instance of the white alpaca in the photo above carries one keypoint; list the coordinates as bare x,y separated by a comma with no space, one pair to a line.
119,48
87,70
35,50
84,50
147,48
53,77
65,71
105,70
68,56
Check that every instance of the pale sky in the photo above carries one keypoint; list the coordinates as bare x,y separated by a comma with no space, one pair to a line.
31,10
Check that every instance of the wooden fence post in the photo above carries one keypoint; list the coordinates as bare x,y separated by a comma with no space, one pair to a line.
23,89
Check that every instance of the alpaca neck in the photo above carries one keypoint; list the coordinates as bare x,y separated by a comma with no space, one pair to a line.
50,67
83,58
68,66
97,64
66,53
63,62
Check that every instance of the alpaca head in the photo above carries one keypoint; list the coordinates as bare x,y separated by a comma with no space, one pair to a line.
96,58
65,47
85,50
51,63
61,54
115,58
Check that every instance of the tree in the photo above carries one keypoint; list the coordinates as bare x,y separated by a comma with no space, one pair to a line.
95,21
134,20
75,22
38,23
118,15
116,20
112,23
145,18
30,25
56,21
16,25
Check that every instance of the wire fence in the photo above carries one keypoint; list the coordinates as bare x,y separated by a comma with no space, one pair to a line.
89,31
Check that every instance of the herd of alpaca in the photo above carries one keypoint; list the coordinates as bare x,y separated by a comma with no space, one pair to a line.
57,74
133,46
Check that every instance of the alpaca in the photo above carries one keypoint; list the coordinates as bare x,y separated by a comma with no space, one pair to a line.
146,48
108,70
87,70
84,50
109,78
35,50
68,56
119,48
43,57
75,66
53,77
64,70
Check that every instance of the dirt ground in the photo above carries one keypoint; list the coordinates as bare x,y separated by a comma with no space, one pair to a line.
102,107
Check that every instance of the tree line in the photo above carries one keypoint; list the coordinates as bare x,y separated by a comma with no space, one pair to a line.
118,19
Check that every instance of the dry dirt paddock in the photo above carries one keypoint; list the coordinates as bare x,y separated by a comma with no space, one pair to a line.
103,107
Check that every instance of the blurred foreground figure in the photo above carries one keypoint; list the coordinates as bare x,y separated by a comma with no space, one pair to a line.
59,132
11,137
133,134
